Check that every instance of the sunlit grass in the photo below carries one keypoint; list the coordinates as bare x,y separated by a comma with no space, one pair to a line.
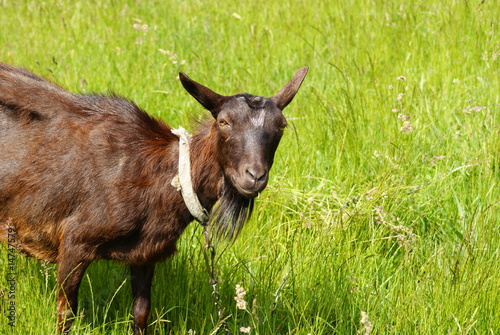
384,196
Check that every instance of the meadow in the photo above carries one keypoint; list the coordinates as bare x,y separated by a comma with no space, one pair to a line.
382,212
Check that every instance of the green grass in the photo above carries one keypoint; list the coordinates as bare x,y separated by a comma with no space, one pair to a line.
359,216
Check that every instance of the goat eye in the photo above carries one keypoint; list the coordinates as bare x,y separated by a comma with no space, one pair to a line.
223,123
283,126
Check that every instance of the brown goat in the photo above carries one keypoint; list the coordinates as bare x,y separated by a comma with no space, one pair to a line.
88,177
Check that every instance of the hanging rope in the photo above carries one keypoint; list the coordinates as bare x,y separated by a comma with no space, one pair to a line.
182,182
209,255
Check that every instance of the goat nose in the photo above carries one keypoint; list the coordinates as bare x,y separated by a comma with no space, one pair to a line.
256,175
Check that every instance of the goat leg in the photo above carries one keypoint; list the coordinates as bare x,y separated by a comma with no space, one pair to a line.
141,278
69,277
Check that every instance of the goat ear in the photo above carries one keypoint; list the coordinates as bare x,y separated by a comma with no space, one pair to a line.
205,96
285,96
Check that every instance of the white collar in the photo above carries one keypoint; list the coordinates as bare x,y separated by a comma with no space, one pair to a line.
182,181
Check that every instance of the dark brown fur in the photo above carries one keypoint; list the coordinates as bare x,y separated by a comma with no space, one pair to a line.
87,177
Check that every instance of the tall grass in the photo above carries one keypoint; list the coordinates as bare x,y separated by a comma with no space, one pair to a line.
384,196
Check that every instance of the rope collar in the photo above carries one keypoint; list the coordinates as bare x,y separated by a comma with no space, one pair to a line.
182,181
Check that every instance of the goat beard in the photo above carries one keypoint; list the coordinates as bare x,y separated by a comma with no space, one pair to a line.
230,213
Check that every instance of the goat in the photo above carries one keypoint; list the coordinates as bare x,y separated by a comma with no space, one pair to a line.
90,177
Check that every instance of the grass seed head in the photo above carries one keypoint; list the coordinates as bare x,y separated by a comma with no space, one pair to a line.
367,325
240,297
245,330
